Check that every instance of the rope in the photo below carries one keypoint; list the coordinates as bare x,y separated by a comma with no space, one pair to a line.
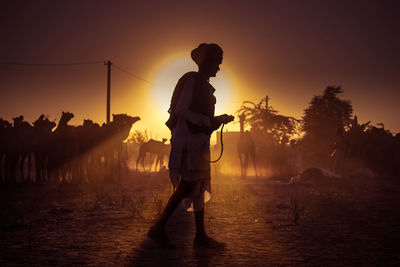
222,146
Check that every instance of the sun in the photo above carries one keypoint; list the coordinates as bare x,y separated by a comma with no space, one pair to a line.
168,74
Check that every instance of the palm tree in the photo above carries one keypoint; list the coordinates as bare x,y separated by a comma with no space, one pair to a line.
265,121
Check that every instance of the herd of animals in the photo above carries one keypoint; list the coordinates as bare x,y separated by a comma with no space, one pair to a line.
62,153
46,152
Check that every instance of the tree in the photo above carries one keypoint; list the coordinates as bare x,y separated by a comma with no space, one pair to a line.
327,113
326,116
266,121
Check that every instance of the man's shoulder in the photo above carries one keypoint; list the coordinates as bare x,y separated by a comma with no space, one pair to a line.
189,75
187,78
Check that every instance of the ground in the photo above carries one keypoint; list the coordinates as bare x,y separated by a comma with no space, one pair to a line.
264,222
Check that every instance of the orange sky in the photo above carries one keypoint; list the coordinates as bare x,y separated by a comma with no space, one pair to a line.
288,51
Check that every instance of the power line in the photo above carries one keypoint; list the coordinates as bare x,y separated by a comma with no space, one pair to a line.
131,74
51,64
108,63
75,64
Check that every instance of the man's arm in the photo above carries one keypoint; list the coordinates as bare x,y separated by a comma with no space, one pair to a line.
184,102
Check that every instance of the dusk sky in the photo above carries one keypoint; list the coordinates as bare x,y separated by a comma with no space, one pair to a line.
288,50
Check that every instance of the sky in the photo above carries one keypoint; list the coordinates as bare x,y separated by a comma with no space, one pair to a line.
288,50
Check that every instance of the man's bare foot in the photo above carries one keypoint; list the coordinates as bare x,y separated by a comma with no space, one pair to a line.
158,235
207,242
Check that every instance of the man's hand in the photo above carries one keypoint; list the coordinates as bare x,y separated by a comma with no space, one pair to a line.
225,118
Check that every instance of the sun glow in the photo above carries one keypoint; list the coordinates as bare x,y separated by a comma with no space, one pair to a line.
169,73
164,76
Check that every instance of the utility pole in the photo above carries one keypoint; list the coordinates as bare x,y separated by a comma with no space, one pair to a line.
108,63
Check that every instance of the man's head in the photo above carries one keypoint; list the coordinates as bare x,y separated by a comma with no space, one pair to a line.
208,57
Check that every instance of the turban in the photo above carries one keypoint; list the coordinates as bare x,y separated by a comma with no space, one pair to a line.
206,53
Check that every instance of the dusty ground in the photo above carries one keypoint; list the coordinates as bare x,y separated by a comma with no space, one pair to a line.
339,223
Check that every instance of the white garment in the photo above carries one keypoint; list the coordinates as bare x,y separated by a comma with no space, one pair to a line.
190,152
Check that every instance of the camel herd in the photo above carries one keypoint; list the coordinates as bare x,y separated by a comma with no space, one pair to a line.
48,152
61,153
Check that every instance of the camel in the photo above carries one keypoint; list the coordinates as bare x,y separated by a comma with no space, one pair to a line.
339,154
63,149
216,166
5,130
279,157
158,148
89,160
294,158
245,148
115,133
22,148
42,129
69,154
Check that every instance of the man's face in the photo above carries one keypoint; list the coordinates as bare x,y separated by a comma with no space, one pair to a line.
214,69
211,67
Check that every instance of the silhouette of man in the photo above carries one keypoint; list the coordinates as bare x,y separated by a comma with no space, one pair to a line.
191,123
340,150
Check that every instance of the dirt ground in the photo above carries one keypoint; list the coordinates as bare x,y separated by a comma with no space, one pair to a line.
264,222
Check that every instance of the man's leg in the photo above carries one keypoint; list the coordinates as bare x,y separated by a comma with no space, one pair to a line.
199,218
157,232
201,239
173,202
